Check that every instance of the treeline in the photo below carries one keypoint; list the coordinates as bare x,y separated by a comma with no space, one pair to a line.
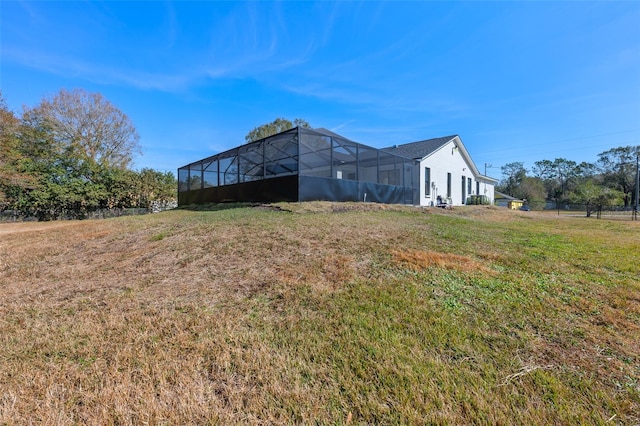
71,155
611,180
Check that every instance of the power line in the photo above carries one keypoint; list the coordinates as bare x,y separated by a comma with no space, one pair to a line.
569,140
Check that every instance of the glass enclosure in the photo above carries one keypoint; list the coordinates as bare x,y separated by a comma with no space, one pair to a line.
300,164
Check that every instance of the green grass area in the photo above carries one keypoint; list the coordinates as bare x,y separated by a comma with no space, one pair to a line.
309,313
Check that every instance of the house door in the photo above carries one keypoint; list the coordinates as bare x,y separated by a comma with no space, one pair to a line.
464,189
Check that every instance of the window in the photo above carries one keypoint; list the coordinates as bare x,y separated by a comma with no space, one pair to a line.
448,185
477,188
427,182
469,182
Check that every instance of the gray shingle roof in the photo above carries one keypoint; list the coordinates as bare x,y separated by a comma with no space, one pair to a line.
328,132
500,195
420,149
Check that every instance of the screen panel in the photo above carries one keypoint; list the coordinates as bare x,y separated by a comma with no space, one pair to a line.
344,159
315,155
210,173
228,169
281,155
367,164
251,162
195,176
390,169
183,179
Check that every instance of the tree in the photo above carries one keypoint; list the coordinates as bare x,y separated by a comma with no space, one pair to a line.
72,146
587,170
592,193
618,168
87,127
10,157
70,155
512,176
532,189
155,186
558,176
516,183
276,126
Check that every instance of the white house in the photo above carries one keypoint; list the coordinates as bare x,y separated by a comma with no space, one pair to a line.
302,164
448,175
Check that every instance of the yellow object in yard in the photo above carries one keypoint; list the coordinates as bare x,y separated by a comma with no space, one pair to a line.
515,204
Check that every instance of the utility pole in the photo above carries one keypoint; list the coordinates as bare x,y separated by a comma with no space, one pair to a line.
485,183
635,206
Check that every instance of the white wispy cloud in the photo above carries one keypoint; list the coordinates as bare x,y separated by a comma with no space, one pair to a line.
340,126
241,45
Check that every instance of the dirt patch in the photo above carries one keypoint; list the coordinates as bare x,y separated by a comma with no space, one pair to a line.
12,228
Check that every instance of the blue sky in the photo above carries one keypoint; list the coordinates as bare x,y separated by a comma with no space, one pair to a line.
518,81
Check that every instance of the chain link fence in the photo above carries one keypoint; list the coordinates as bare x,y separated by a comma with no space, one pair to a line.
599,211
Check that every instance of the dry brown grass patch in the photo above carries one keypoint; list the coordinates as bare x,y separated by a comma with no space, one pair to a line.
339,207
420,260
338,269
260,316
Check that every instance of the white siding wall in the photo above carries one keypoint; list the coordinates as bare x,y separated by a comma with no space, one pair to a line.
488,189
450,160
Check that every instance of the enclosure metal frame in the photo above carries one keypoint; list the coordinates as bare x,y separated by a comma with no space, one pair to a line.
300,164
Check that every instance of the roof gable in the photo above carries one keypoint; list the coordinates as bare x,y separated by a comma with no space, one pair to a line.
420,149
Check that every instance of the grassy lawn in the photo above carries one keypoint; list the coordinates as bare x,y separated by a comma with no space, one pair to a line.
321,313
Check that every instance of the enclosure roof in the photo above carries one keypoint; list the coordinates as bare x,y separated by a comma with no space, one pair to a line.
328,132
420,149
